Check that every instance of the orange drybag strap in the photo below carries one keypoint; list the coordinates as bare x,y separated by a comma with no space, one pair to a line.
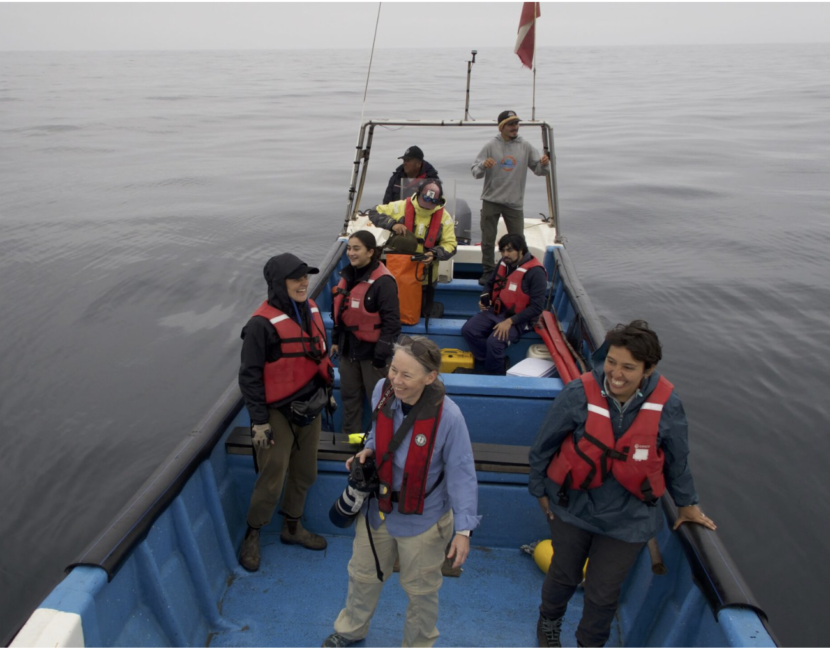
409,276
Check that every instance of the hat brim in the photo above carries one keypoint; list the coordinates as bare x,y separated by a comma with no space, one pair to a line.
302,271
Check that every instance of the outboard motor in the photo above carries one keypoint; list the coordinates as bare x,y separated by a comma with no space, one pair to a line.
463,222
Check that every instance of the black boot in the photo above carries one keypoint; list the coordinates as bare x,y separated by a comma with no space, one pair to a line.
547,631
249,554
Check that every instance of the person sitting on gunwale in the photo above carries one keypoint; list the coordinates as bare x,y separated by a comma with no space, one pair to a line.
428,488
284,377
513,298
606,517
367,322
407,176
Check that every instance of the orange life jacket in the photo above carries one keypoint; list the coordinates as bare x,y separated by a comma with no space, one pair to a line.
508,294
434,230
635,459
303,355
416,469
350,308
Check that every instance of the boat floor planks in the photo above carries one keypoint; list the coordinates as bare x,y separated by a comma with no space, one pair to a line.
295,597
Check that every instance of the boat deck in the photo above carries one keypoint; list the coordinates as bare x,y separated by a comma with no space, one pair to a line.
494,603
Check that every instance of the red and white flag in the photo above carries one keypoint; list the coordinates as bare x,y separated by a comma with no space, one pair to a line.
527,33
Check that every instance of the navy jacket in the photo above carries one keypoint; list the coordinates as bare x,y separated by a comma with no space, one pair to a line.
610,509
393,189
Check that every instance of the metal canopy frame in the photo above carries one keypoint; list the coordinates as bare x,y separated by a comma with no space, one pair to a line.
363,151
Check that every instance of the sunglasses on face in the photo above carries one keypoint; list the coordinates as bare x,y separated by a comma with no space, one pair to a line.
429,199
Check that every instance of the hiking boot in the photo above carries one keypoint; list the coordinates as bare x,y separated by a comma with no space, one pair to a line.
337,640
547,631
482,281
249,554
293,533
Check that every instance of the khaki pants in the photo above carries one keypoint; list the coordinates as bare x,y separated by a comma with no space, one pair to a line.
490,212
277,460
356,379
421,559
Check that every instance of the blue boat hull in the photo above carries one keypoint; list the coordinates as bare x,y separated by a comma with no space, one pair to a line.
165,571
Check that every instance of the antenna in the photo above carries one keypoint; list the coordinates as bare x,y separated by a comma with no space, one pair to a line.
469,73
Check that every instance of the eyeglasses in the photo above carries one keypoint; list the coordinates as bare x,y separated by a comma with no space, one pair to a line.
429,199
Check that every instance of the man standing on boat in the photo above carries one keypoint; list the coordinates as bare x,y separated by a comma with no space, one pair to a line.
625,418
503,163
513,299
284,377
406,177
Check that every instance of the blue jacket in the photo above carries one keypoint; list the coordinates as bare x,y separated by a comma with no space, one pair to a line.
610,509
452,455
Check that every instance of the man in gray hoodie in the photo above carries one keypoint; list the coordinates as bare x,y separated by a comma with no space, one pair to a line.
503,163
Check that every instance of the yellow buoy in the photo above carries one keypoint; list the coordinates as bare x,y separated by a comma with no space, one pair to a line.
543,555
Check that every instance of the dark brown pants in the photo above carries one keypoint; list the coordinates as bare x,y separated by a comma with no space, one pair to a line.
283,458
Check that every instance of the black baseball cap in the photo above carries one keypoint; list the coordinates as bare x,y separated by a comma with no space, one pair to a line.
412,152
301,271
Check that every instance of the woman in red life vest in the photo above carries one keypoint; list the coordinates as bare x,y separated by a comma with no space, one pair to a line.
428,495
612,443
366,324
284,378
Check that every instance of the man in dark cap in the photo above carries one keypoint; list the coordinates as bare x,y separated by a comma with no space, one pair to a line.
503,163
284,377
408,175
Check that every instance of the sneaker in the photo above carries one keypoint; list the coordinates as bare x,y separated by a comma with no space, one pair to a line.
249,554
547,631
482,281
337,640
301,536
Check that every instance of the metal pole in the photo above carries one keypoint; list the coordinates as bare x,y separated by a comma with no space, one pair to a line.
469,73
533,110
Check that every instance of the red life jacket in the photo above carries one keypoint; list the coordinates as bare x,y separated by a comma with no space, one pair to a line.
295,368
508,294
635,459
434,230
413,487
350,307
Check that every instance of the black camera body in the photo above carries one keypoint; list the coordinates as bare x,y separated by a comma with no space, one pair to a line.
363,481
364,477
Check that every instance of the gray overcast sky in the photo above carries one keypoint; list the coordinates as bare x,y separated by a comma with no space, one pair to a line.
273,25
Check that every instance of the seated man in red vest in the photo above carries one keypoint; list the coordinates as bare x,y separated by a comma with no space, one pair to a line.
624,418
514,298
406,178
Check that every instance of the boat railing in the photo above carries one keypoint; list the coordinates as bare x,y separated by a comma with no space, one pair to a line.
364,147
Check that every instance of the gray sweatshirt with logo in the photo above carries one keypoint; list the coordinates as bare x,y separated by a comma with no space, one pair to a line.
505,182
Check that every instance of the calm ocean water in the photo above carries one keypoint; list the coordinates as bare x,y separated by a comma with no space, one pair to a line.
141,193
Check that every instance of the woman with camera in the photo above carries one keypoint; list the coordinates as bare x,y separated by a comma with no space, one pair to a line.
367,321
427,494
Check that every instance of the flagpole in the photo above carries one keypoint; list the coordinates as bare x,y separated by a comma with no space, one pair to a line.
533,110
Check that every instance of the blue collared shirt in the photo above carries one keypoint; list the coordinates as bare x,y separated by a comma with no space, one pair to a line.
452,455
